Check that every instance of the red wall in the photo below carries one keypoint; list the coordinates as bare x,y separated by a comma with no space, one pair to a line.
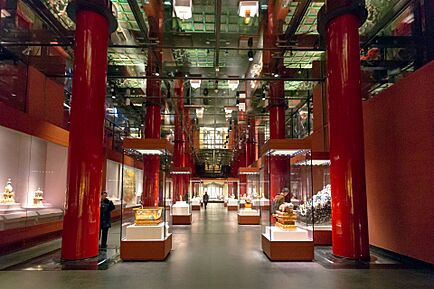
399,148
44,98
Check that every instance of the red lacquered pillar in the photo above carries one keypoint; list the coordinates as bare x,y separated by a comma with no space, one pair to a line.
151,173
347,172
85,159
242,164
180,154
251,141
278,165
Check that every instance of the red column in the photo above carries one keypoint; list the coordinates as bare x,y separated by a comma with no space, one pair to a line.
180,157
242,164
278,165
347,171
85,159
251,141
151,173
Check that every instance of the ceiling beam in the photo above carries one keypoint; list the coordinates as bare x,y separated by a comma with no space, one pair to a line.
296,20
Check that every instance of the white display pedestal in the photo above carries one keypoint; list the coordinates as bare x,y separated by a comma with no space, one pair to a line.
181,214
281,245
195,203
147,232
248,212
9,208
276,234
181,208
232,204
18,220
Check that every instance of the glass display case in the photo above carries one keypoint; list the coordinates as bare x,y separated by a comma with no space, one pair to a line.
249,210
196,193
146,226
315,212
284,238
231,196
32,189
181,202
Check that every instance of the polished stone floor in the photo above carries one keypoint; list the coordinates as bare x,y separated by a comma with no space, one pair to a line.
217,253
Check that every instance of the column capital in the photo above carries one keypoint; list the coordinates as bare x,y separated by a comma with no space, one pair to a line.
102,7
336,8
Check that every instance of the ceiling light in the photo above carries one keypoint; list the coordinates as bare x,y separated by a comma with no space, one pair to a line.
250,55
248,9
233,84
199,112
195,83
276,75
183,9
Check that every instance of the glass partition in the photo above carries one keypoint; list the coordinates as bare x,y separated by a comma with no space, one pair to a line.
33,180
145,225
283,226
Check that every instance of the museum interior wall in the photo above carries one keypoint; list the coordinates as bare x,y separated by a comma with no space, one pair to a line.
399,146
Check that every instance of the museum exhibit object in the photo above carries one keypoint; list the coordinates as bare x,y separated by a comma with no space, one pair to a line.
146,228
249,210
283,237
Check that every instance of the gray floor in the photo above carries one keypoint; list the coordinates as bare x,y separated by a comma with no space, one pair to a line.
217,253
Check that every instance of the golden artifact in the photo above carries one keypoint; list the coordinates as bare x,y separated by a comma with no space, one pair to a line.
148,216
248,204
38,197
286,217
8,194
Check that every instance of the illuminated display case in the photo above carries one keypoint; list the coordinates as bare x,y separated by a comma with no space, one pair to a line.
196,193
146,227
32,188
284,238
249,210
181,202
315,212
231,194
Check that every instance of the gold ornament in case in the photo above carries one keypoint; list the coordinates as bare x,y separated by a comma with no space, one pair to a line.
148,216
286,217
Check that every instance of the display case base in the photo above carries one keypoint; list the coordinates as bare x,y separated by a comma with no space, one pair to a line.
265,208
322,237
249,220
195,207
146,250
182,219
288,250
232,208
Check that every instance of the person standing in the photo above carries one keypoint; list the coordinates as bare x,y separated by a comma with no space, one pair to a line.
205,199
105,215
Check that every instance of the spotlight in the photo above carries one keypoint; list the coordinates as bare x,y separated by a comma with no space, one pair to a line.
250,55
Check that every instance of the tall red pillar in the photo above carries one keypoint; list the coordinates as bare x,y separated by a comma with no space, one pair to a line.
85,159
180,155
340,21
151,173
278,166
251,141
